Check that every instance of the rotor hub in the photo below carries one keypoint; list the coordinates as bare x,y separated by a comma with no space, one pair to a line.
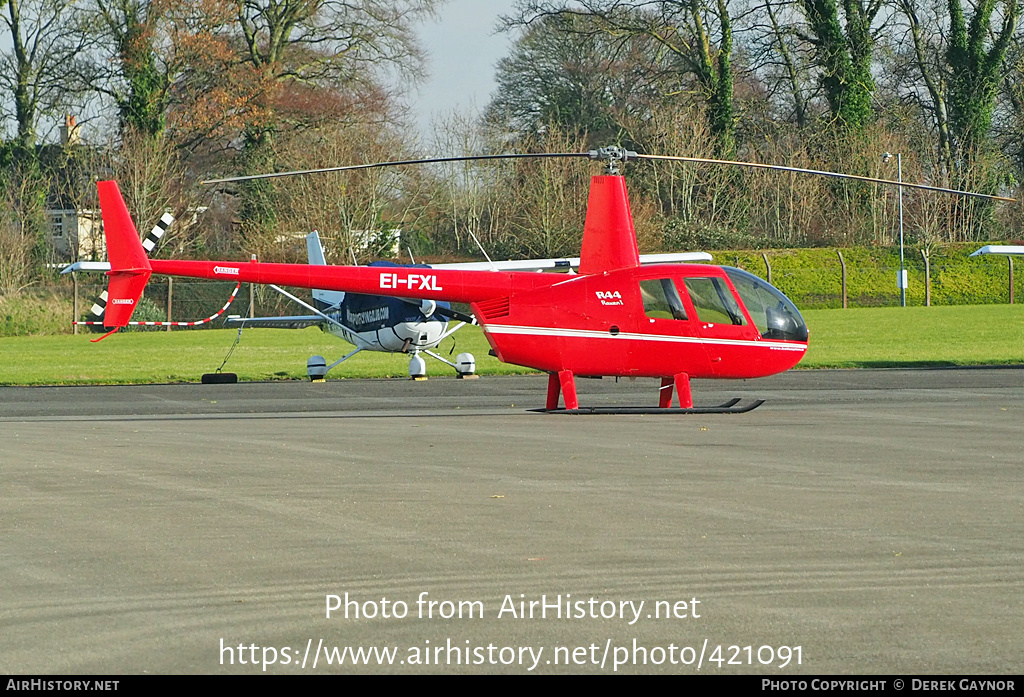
612,156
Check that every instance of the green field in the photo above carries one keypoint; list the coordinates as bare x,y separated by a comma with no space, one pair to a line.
915,336
183,356
869,337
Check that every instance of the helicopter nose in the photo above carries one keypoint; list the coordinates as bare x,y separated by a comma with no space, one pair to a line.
785,325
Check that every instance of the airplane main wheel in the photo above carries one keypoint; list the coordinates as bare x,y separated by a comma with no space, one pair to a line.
316,368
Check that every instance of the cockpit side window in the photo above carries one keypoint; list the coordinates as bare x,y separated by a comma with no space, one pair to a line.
714,301
661,299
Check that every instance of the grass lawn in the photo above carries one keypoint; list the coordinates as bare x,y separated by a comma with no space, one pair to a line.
915,336
871,337
183,356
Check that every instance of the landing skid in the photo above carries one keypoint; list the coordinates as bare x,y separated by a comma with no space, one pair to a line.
733,406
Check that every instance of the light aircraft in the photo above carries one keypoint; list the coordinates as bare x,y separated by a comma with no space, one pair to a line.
371,322
614,318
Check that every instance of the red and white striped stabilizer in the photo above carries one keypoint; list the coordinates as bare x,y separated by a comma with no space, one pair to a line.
195,323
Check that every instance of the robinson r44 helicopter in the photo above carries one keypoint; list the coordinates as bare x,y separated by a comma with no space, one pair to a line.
614,317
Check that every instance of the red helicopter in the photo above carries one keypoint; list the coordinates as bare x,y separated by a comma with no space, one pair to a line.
613,318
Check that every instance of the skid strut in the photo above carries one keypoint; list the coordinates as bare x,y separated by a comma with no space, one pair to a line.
562,382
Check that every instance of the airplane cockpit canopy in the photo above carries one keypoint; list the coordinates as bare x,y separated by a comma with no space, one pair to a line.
775,315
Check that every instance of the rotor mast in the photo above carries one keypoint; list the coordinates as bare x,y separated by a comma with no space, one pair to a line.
609,237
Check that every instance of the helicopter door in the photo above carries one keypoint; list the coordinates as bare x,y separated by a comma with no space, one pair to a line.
666,314
720,318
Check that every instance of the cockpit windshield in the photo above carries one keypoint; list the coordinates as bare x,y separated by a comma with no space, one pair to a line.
775,316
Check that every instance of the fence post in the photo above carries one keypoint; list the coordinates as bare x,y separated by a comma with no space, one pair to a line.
170,297
1010,259
74,326
927,280
842,263
767,266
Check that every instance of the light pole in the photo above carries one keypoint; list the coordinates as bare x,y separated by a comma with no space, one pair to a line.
903,269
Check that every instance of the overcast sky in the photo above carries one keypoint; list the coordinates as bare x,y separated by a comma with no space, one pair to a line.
463,50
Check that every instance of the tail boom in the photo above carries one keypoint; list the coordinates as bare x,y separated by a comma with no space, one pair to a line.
400,282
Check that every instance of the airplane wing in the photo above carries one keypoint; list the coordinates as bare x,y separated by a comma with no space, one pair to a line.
566,262
87,266
1000,249
292,322
511,265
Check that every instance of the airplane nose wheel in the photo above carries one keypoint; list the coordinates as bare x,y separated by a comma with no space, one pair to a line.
417,367
465,366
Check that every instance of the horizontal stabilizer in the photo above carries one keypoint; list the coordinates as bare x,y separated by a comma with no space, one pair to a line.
87,266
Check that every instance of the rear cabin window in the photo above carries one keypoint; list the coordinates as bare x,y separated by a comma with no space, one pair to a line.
714,301
661,299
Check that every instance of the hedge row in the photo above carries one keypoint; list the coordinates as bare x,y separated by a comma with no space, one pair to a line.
811,277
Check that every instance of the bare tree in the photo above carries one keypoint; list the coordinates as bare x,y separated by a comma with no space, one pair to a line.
358,214
34,73
332,45
693,38
780,58
16,264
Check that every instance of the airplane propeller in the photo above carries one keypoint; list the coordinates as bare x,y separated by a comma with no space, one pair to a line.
454,314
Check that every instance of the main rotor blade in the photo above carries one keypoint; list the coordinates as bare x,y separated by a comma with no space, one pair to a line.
429,160
599,155
822,173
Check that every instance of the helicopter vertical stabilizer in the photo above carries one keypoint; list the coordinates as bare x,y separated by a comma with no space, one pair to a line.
609,239
129,267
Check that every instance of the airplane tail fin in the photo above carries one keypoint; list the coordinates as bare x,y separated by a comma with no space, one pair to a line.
129,266
323,299
315,249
